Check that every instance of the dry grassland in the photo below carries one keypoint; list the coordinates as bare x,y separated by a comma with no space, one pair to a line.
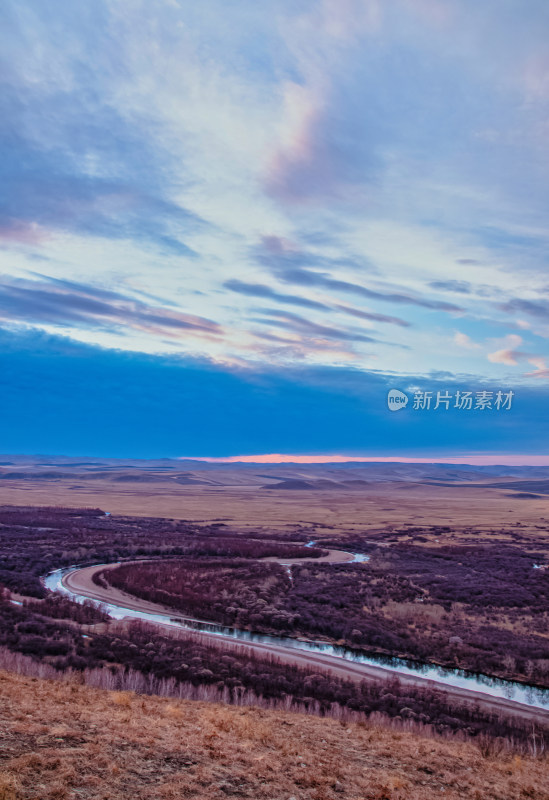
62,742
375,507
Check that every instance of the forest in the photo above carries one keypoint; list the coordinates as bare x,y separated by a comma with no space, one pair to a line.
479,608
36,540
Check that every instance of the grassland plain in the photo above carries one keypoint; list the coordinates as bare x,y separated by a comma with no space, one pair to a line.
376,497
63,741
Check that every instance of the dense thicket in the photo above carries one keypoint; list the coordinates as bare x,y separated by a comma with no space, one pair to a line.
34,541
58,606
497,576
479,608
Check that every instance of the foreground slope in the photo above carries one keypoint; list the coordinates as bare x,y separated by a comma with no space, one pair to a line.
61,741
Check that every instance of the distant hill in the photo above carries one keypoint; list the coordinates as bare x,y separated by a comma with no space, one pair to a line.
291,484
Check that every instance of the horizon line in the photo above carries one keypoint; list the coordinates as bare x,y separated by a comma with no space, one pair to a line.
475,459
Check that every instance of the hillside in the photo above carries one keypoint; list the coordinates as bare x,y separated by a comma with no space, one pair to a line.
62,742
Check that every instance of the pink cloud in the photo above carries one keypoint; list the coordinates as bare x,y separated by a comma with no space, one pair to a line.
508,357
541,371
463,340
542,374
277,245
295,170
512,358
305,164
20,232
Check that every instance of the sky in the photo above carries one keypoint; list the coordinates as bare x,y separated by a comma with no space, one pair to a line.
229,229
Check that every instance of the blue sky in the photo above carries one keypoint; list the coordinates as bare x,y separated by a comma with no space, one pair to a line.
248,202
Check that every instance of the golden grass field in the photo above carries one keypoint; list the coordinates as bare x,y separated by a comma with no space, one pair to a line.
239,497
63,741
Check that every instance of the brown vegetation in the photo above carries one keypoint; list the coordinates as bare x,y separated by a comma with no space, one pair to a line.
62,742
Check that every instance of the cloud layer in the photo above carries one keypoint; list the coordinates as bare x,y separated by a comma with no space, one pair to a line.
330,184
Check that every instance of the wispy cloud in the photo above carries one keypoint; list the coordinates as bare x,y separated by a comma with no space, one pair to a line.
372,316
294,322
73,159
292,266
533,308
508,354
67,303
260,290
542,370
461,287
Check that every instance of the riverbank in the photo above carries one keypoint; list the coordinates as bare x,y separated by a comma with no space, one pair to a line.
494,695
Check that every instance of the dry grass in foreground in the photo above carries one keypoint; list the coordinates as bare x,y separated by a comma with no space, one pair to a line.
61,741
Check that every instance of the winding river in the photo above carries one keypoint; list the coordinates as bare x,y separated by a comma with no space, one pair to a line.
442,677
